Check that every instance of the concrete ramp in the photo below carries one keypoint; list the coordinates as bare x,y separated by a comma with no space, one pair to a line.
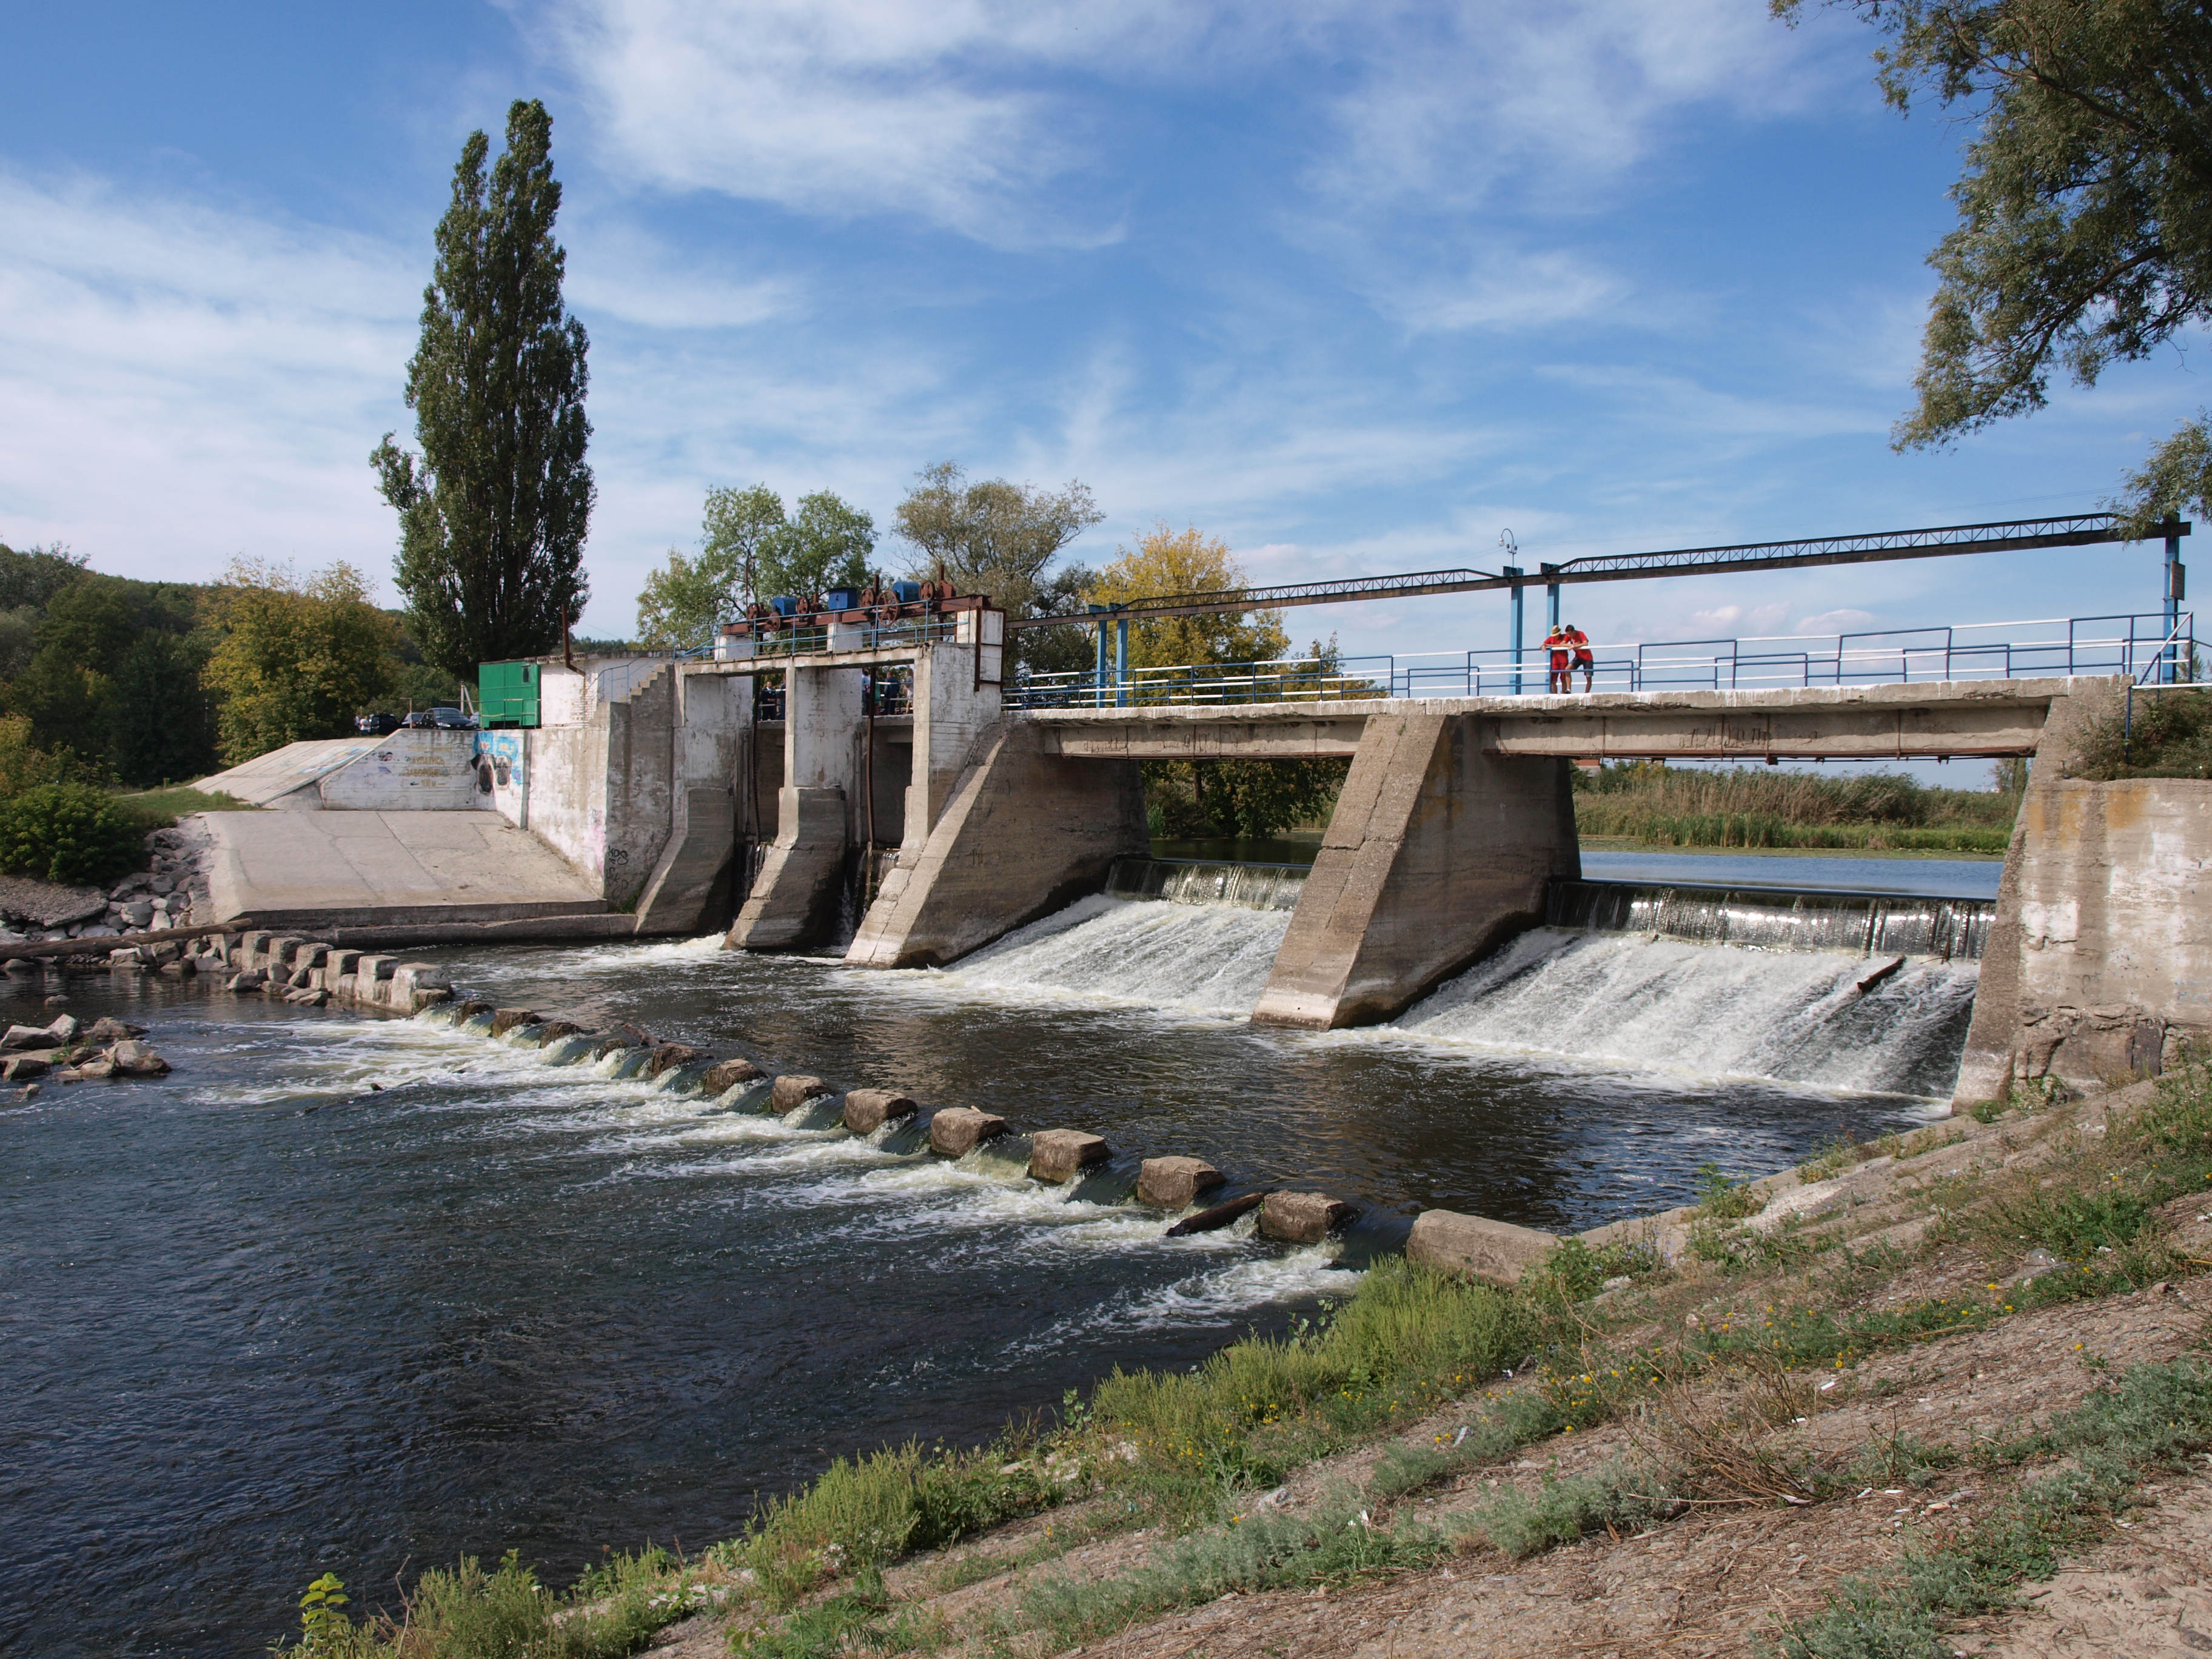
410,771
330,870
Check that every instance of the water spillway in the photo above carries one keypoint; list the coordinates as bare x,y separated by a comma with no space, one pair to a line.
1778,919
1208,881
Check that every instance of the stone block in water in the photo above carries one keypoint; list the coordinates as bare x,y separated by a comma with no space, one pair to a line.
135,1059
794,1090
555,1030
31,1036
22,1068
1063,1154
958,1130
1302,1217
725,1075
1475,1247
504,1020
670,1055
1170,1183
867,1111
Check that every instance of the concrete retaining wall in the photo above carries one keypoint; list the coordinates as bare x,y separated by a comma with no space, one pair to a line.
407,771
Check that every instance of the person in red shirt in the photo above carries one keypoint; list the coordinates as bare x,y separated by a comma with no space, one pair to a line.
1584,659
1562,676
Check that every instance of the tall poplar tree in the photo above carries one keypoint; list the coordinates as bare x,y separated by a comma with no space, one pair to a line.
493,511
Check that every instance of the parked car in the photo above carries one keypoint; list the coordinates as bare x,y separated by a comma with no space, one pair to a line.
419,721
376,724
453,720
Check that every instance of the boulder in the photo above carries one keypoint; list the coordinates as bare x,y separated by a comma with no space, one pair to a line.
96,1070
31,1036
135,1059
1302,1217
314,997
554,1029
1476,1248
1170,1184
22,1068
162,886
65,1028
138,913
113,1031
503,1020
127,958
867,1111
252,980
1064,1154
670,1055
958,1130
467,1010
725,1076
612,1045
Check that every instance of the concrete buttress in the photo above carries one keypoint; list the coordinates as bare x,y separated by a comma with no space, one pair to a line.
1438,851
793,902
1022,833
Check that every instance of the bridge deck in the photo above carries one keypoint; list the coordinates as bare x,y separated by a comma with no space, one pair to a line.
1966,718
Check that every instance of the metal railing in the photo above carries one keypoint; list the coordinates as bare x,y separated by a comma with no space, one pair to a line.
2141,646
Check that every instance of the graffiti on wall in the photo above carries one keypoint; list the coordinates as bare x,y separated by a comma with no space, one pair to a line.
500,777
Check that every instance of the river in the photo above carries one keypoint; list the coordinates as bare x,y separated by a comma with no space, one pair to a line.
259,1319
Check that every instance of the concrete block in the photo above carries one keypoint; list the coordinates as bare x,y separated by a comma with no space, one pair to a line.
725,1075
1302,1217
313,954
342,962
279,956
252,946
413,982
671,1055
425,996
958,1130
1063,1154
793,1091
369,969
1171,1184
503,1020
342,987
867,1111
554,1029
1475,1247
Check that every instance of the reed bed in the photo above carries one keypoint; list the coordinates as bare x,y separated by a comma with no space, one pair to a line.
1671,806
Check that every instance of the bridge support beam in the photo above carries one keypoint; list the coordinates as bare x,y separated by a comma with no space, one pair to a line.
1437,851
1022,833
794,903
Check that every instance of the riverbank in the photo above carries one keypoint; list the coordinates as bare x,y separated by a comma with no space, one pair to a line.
1976,1348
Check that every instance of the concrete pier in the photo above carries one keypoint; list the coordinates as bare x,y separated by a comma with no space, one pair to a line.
1439,850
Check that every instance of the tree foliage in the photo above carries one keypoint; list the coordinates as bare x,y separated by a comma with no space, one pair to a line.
299,657
749,550
1166,561
493,511
2085,203
991,536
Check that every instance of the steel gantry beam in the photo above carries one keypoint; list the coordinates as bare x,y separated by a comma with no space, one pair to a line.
2011,535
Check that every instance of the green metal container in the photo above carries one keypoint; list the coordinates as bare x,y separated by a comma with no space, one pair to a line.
506,694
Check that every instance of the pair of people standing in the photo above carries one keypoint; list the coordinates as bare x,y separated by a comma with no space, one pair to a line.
1570,650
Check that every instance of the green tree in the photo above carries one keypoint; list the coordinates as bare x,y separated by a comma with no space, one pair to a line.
163,728
494,512
992,537
826,544
299,657
33,576
67,687
2085,203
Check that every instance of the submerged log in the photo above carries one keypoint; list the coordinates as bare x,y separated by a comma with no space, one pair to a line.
1219,1216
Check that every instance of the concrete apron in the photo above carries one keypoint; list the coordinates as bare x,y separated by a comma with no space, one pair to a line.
1437,851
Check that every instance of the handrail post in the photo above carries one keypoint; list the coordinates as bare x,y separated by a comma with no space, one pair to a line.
2174,578
1513,635
1121,662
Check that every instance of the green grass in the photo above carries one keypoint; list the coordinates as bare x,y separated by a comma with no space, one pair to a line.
174,802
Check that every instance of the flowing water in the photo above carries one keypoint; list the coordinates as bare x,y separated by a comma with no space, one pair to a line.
258,1320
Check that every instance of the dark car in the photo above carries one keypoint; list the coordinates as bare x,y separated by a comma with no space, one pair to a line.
453,720
376,724
418,720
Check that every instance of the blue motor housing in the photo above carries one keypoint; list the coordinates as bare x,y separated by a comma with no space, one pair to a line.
906,593
784,605
843,598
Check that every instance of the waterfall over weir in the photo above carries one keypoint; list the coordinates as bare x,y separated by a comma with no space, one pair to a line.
1769,919
1202,881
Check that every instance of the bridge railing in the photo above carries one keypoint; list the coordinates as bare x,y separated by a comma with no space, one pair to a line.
2141,645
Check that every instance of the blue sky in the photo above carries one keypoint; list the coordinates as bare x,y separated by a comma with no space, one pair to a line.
1354,287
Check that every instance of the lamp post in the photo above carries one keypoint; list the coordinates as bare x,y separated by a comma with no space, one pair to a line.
1512,573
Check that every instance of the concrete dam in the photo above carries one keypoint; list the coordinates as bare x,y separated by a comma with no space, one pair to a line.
891,798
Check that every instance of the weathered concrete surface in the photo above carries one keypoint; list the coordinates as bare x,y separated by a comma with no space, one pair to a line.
1871,722
1023,833
286,777
2099,967
696,863
958,1130
1476,1247
1302,1217
793,902
601,792
1170,1184
1058,1155
1438,850
867,1111
792,1090
410,771
333,870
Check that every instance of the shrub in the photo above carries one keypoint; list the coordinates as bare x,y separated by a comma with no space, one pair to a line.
69,832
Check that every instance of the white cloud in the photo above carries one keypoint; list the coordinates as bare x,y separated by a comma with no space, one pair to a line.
1837,622
179,383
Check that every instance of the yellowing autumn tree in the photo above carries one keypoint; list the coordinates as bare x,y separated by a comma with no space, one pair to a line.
299,655
1166,562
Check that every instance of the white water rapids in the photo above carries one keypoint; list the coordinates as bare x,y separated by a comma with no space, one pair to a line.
1656,1004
